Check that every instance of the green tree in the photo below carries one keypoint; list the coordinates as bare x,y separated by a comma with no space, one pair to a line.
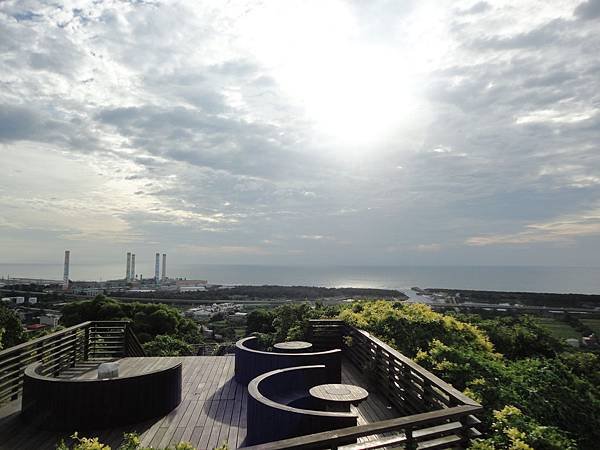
517,336
514,431
259,321
412,327
556,392
12,326
148,319
291,322
165,345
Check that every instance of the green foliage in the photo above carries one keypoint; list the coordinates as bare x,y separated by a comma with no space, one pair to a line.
583,364
131,441
165,345
260,321
13,328
411,327
517,336
148,320
514,431
285,323
223,446
83,443
560,391
291,322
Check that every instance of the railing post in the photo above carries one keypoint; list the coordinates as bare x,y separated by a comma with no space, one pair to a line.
464,431
410,441
86,343
15,394
124,336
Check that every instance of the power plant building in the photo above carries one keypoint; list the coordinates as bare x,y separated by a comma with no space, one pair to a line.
132,273
128,269
66,270
157,268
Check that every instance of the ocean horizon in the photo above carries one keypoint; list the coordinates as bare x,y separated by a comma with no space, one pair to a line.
582,280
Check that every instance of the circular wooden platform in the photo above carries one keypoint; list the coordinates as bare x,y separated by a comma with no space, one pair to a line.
293,347
338,397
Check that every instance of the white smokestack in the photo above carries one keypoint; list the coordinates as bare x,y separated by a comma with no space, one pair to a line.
128,270
157,267
66,270
132,274
164,267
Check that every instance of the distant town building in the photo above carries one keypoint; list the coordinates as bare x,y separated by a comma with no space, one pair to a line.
50,319
184,282
238,317
590,341
572,342
191,288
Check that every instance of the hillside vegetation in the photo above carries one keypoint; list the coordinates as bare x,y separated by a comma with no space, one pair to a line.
161,329
535,395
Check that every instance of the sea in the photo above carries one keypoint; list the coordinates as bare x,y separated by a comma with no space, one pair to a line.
583,280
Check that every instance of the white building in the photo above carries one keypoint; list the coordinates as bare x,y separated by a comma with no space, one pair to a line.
191,288
238,317
50,319
573,342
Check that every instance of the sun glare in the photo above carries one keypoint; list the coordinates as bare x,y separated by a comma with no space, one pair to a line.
354,90
357,100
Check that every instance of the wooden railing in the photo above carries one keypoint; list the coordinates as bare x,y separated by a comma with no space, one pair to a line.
57,351
435,414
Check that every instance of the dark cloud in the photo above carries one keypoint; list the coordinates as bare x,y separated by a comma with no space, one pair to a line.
192,136
588,10
17,123
548,34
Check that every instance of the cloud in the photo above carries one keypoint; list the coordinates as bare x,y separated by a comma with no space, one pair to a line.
429,247
223,249
588,10
17,123
561,230
181,123
314,237
477,8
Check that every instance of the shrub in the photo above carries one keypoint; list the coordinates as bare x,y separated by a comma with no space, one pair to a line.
131,441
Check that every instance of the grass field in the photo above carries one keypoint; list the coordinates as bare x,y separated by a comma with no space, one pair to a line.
557,328
594,325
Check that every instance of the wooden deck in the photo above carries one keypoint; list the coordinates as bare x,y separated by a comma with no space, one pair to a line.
212,410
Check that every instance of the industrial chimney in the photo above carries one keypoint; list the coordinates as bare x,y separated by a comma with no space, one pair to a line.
66,270
156,268
164,267
128,270
132,273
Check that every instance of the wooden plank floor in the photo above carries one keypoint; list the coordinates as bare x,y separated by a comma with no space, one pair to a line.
212,410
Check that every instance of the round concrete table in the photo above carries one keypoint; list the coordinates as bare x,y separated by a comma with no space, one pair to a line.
292,347
338,397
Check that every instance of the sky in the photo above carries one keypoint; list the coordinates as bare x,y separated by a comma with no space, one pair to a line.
376,132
